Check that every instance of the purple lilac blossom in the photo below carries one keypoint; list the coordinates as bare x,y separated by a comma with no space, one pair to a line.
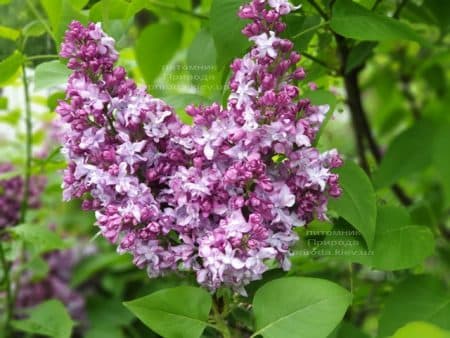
221,197
11,195
56,285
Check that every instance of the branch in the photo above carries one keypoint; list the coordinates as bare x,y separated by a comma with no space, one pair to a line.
361,125
399,8
42,57
406,90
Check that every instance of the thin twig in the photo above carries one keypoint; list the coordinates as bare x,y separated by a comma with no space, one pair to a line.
406,90
319,9
311,29
399,8
41,57
28,162
28,145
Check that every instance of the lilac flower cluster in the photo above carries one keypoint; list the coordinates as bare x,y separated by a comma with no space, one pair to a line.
11,195
220,197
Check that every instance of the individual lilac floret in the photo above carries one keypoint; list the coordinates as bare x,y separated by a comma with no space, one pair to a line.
220,197
12,193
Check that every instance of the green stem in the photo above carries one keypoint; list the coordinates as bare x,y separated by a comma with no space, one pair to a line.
311,29
375,5
9,297
29,146
26,193
177,9
40,57
399,8
221,324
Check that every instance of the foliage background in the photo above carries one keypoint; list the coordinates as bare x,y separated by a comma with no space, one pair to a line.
383,67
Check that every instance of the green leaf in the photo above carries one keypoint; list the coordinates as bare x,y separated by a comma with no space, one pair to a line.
37,268
113,14
441,160
39,237
179,102
176,312
348,330
50,74
357,204
104,332
49,319
155,47
60,14
79,4
34,29
3,103
299,307
106,10
53,99
301,30
420,330
226,29
322,97
9,33
107,312
201,56
358,55
12,118
354,21
418,298
397,244
93,265
438,10
407,154
10,66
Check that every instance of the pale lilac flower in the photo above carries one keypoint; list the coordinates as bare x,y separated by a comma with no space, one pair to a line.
265,43
283,6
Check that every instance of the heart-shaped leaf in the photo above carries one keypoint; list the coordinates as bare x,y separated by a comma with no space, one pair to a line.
49,319
175,312
49,74
299,307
